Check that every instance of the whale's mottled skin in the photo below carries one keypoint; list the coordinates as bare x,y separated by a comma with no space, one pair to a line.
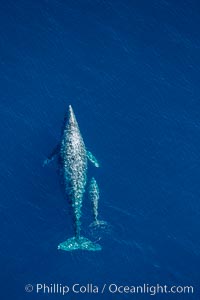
73,157
73,164
94,197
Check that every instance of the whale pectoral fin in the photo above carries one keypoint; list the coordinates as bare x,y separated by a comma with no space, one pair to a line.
52,155
93,159
81,243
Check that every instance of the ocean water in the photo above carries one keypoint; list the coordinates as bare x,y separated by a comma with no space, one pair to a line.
131,71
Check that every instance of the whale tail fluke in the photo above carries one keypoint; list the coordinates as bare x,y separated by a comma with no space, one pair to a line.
80,243
98,223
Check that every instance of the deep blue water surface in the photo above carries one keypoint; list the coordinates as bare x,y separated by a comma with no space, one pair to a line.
131,71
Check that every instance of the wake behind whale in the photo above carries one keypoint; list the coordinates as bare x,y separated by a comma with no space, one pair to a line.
73,158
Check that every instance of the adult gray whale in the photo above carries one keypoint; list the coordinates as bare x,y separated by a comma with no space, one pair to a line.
73,158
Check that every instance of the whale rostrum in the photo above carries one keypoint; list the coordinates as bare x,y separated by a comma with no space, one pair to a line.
73,165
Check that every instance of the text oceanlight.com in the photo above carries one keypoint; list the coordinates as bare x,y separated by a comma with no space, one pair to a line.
112,288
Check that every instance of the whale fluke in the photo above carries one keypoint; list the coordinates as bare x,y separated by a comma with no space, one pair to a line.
99,223
80,243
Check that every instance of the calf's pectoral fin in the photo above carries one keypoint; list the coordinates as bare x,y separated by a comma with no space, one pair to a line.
93,159
52,155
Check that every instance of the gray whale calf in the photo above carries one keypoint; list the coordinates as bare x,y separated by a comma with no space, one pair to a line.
73,158
94,197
